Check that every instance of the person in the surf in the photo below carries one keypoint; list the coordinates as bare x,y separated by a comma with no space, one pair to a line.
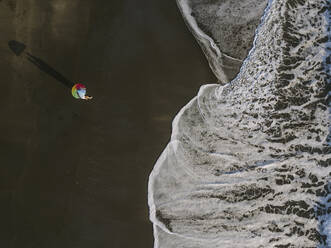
79,92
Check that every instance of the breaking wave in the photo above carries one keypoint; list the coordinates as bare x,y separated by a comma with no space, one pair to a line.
248,163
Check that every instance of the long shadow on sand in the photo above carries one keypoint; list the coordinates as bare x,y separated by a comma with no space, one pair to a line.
49,70
18,48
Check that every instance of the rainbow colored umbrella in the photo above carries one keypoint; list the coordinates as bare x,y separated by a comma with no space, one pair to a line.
78,90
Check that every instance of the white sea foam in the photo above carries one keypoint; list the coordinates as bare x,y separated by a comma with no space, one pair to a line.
248,163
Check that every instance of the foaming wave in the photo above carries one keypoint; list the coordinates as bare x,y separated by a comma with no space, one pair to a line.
248,164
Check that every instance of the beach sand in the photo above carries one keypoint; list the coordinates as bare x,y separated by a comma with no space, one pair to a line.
74,173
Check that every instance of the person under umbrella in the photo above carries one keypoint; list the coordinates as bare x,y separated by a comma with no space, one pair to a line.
79,92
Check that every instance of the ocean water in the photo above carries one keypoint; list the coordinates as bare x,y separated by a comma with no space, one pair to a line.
248,162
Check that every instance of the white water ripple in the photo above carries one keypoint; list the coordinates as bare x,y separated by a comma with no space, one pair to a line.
248,163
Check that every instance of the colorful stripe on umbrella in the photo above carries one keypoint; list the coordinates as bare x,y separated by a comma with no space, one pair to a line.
75,88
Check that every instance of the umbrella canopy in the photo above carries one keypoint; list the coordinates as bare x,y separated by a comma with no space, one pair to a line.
76,88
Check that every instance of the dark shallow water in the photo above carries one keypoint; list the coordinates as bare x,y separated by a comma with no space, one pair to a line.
74,174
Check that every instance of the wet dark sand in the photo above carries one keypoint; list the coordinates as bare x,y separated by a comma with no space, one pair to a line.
74,174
